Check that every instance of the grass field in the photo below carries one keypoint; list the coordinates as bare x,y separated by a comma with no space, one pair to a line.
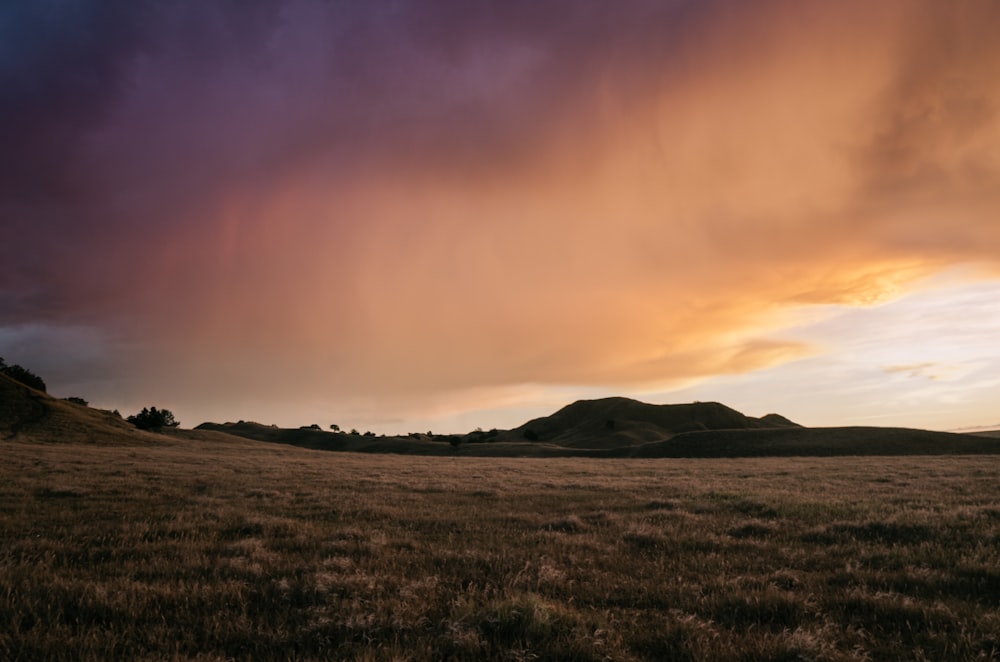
233,550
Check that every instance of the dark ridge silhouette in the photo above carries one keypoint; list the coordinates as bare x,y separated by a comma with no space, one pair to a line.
777,421
615,422
624,428
611,427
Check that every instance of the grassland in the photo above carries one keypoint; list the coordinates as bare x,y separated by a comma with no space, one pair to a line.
220,549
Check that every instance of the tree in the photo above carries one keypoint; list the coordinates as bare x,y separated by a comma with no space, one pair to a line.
335,427
77,401
153,419
23,375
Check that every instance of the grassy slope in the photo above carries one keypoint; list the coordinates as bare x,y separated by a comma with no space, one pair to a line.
27,413
220,548
860,441
787,441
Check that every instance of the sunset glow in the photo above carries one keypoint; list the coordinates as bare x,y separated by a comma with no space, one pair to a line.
449,215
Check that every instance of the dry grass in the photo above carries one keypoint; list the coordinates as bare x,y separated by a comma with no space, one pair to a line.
232,550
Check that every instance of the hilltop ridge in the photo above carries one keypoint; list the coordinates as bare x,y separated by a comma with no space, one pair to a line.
617,421
607,427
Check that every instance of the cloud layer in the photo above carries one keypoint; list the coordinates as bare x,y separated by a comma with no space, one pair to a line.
399,204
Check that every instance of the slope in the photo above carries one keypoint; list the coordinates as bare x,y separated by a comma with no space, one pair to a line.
34,416
816,442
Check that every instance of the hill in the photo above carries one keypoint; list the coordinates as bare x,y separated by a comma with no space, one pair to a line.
28,414
609,427
616,422
621,427
34,416
412,444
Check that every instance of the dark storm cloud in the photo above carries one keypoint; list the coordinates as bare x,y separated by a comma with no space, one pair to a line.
62,67
66,70
376,67
127,122
404,195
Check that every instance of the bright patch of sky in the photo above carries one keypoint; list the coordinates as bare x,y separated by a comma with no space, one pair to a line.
930,359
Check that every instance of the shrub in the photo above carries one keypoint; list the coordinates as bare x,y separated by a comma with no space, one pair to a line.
153,419
23,375
77,401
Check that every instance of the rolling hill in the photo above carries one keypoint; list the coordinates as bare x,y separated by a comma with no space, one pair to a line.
608,427
623,428
620,422
36,416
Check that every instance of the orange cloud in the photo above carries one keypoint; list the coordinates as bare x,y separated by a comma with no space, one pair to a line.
666,224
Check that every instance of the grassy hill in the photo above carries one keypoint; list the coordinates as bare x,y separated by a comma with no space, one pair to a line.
609,428
29,414
621,427
34,416
612,423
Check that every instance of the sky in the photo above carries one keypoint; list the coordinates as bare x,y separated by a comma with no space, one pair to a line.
415,215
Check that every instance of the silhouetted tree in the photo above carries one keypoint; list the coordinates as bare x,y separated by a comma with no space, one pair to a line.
153,419
23,375
77,401
335,427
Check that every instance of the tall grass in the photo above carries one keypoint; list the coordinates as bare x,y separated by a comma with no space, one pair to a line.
249,551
